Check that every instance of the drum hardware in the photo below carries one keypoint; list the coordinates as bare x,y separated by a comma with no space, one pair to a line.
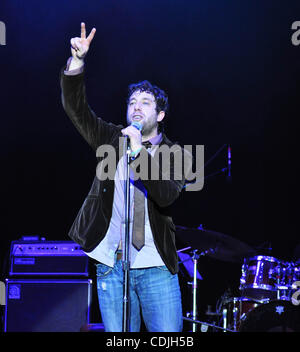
226,248
261,301
194,286
215,245
208,324
224,318
234,310
264,280
266,284
283,293
288,275
195,258
283,279
278,271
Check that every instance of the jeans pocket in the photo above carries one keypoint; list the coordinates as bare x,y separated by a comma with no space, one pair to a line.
103,270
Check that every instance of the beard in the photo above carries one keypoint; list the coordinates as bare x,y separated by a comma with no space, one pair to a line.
149,127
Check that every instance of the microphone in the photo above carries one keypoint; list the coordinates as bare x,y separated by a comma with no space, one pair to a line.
137,125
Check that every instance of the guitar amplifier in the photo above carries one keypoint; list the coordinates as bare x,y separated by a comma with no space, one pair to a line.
47,305
44,258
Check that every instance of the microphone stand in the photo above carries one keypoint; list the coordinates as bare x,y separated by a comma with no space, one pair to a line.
126,261
126,258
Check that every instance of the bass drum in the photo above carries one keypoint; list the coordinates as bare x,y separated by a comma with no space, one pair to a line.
276,316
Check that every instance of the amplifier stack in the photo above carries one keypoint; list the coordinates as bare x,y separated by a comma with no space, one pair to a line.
48,288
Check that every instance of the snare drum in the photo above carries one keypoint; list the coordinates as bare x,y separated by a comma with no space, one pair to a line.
276,316
258,280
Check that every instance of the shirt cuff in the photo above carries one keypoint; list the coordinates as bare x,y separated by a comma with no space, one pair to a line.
74,72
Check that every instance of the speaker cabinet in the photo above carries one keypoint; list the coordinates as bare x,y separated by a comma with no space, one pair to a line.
47,305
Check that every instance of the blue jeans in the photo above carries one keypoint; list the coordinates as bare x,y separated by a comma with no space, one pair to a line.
153,290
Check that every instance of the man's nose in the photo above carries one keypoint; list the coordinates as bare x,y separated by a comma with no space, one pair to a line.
137,106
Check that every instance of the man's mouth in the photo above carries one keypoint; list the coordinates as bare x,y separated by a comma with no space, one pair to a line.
137,117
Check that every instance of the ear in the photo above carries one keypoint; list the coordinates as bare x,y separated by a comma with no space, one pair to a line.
160,116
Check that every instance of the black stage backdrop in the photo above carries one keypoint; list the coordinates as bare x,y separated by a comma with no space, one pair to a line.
232,72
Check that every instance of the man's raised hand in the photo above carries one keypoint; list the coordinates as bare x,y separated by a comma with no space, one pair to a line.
80,46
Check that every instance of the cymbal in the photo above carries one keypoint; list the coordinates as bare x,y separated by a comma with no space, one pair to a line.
219,246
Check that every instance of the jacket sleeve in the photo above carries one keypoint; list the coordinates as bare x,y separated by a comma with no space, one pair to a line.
92,128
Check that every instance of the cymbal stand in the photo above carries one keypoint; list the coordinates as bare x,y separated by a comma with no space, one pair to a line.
194,288
195,259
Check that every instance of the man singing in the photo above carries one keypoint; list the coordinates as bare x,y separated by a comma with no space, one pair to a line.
99,227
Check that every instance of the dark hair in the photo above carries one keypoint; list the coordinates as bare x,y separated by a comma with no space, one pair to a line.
160,96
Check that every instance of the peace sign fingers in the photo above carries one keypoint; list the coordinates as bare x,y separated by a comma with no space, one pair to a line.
83,33
80,46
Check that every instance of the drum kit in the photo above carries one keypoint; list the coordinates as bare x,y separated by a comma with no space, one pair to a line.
269,288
